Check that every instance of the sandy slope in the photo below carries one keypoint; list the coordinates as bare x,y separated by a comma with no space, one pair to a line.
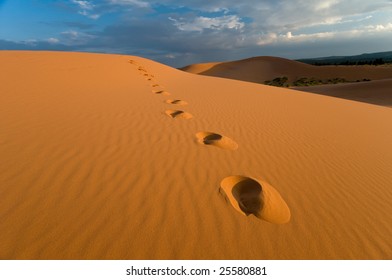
94,166
377,92
262,68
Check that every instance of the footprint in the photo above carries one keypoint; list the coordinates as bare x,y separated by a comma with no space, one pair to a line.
132,61
177,114
161,92
249,196
217,140
176,102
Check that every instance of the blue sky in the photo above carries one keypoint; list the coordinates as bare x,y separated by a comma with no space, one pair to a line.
178,32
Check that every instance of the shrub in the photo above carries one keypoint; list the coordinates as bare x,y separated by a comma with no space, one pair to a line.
278,82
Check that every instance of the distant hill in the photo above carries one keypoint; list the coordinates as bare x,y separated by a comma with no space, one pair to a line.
350,80
362,59
266,69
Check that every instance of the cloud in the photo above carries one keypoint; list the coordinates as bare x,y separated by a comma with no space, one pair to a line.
200,23
380,27
137,3
53,40
75,38
283,15
180,32
274,38
366,32
84,5
85,8
171,56
326,4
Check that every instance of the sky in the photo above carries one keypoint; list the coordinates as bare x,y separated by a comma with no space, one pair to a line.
178,32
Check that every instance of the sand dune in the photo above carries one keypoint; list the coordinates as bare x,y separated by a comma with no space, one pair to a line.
94,167
377,92
261,69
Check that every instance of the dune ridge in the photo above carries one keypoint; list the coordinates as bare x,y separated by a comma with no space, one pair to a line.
265,68
93,168
262,68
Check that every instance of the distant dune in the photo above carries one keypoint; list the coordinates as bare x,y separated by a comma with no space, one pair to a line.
261,69
120,157
377,92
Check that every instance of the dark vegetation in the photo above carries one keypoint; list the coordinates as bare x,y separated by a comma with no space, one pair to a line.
363,59
304,82
278,82
376,62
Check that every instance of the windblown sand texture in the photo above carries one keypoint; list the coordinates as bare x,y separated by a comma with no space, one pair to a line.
263,68
93,165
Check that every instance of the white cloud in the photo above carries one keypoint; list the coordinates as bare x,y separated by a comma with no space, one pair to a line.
380,27
326,4
86,7
200,23
72,37
274,38
138,3
53,40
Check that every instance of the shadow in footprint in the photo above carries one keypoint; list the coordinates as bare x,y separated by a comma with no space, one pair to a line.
177,114
176,102
162,92
217,140
250,197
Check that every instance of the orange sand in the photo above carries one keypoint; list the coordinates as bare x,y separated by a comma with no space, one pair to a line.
97,163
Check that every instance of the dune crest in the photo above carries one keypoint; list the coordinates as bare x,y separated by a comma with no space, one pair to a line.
265,68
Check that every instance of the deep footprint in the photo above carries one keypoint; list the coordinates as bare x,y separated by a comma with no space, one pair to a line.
162,92
176,102
250,197
177,114
217,140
